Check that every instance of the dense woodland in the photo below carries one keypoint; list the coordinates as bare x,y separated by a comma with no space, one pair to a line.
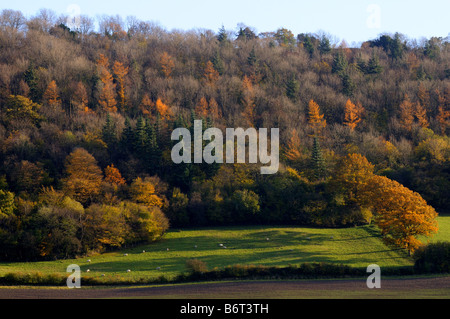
86,117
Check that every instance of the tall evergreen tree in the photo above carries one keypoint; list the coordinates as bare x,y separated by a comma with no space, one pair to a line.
292,88
222,37
317,161
308,45
340,63
140,138
374,67
31,78
218,63
127,138
324,45
252,59
109,135
348,86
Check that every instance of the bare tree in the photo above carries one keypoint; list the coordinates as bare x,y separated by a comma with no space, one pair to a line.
12,19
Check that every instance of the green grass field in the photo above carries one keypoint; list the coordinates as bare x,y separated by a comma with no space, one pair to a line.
219,247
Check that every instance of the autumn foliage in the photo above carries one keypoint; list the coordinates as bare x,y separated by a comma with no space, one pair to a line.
401,214
167,64
51,95
84,177
107,98
352,114
113,176
120,71
86,118
315,118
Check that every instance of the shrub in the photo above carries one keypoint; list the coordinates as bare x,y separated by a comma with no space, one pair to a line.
196,266
433,258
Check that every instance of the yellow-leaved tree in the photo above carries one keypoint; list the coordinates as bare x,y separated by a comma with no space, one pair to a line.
84,177
143,191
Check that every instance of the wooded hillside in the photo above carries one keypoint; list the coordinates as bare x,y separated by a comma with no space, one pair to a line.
86,117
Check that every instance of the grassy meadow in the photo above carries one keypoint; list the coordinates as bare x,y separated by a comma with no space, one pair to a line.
220,247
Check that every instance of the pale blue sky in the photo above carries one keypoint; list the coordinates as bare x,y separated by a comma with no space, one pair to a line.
352,20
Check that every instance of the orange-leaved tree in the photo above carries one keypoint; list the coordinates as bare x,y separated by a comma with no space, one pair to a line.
201,109
120,71
352,114
406,113
163,109
214,111
167,64
107,97
402,215
443,117
293,151
248,101
210,74
147,106
51,96
80,99
113,176
315,119
421,115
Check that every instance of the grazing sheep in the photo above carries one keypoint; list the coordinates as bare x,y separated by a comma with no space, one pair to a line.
88,270
158,268
143,251
88,260
221,245
267,239
128,270
125,254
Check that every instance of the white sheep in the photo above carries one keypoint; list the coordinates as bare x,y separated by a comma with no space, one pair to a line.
158,268
128,270
125,254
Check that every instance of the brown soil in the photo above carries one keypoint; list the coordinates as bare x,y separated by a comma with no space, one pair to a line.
269,289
